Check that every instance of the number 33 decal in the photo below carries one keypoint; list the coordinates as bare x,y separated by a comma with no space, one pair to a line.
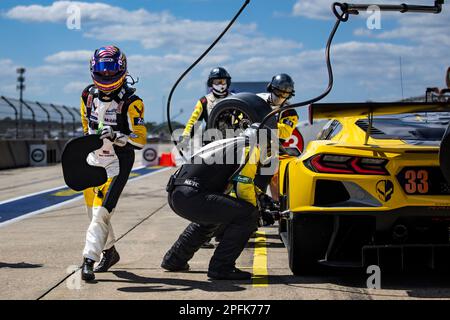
417,181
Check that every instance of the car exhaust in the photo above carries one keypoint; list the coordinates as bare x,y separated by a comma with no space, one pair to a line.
400,233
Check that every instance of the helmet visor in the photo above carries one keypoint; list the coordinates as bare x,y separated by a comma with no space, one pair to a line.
107,71
219,82
106,65
282,94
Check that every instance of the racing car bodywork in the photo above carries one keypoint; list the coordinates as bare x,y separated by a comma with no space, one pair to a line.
369,191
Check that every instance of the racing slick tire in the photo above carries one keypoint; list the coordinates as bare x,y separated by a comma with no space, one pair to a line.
252,107
284,203
282,225
309,236
444,154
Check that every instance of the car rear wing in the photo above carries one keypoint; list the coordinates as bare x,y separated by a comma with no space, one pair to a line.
370,109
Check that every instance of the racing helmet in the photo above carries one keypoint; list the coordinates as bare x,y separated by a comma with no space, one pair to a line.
108,69
219,73
282,86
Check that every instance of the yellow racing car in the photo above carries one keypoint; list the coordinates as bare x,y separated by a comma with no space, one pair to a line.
371,190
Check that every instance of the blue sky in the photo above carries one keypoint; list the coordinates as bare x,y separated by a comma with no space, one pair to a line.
161,38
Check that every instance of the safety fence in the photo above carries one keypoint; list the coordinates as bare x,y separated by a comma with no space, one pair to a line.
37,120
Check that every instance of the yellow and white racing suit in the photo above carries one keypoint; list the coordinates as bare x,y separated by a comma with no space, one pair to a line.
287,120
202,111
125,114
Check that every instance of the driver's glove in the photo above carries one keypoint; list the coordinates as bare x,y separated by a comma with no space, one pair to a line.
116,137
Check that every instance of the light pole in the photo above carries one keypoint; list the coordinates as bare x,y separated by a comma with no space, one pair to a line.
21,88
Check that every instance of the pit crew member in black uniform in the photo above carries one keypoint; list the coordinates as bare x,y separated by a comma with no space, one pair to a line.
211,195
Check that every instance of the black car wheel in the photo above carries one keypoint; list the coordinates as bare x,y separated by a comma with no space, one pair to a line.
238,112
309,236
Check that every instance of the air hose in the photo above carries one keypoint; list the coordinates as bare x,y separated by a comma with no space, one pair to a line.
340,17
169,100
342,13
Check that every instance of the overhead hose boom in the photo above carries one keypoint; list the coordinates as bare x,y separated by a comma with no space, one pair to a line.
342,12
169,100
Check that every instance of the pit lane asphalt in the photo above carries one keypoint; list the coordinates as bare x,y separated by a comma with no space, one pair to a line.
39,254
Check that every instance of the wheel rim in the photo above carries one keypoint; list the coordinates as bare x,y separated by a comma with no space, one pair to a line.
232,118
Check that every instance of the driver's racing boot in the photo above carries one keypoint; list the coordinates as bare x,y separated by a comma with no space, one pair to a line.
87,270
110,258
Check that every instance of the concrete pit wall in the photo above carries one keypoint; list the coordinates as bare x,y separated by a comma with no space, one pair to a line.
16,153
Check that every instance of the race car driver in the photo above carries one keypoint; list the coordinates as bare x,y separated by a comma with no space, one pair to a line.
279,91
200,192
111,108
219,80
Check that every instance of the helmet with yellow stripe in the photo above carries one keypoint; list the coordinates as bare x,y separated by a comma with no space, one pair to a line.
108,69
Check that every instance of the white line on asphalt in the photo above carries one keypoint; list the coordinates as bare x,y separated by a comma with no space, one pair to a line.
45,191
6,223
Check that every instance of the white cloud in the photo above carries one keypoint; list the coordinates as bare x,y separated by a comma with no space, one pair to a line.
90,12
374,65
425,29
154,30
8,77
360,69
75,87
8,68
314,9
70,56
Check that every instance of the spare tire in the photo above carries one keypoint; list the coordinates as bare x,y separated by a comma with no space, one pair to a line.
239,112
444,155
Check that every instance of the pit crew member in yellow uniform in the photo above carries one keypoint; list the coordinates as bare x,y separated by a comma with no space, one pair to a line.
219,80
279,91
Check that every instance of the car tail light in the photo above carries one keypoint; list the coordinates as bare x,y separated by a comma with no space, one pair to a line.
328,163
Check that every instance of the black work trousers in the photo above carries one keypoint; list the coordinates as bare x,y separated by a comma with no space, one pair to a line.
208,211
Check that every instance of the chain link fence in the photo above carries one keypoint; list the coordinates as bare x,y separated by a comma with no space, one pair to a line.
38,121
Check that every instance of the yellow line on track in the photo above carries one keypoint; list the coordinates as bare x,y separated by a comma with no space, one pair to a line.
66,193
260,273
